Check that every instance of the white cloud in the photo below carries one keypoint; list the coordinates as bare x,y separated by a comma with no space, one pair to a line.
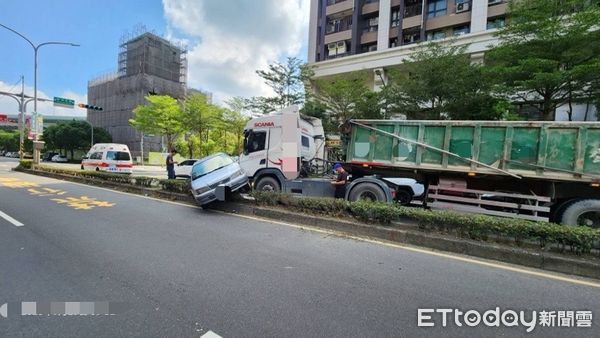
10,106
230,40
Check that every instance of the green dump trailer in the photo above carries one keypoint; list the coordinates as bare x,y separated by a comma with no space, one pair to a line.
533,170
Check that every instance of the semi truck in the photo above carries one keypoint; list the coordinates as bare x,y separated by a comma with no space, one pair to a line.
542,171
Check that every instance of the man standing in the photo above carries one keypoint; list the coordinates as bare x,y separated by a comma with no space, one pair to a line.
340,182
171,165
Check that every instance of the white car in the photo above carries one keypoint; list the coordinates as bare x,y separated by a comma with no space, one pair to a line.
184,169
59,159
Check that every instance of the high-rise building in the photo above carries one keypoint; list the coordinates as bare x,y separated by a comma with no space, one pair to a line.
358,35
147,65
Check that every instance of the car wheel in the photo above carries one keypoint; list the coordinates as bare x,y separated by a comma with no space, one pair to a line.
82,167
367,191
97,169
268,183
403,196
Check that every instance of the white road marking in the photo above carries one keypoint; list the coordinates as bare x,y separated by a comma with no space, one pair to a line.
210,334
432,252
11,220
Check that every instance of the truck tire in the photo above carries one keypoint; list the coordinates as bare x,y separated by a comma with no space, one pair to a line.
268,183
583,212
367,191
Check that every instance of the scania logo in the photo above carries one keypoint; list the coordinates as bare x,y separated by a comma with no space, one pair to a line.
264,124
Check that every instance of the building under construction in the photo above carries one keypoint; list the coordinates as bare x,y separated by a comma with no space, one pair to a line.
148,65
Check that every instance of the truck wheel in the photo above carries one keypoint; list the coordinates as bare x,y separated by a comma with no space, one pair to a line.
268,183
367,191
583,212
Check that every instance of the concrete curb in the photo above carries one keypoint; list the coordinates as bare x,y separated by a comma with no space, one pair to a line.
409,235
401,233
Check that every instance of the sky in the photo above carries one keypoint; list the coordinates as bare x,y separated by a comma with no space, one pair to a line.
227,41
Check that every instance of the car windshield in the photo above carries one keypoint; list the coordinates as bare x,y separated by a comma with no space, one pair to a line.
207,166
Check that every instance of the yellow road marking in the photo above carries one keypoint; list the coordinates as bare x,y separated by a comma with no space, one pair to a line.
491,264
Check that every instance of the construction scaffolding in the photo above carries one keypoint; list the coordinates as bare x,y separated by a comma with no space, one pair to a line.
147,64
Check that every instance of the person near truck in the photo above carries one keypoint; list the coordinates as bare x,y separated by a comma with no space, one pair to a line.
340,182
171,165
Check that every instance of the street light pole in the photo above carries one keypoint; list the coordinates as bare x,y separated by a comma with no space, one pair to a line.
35,67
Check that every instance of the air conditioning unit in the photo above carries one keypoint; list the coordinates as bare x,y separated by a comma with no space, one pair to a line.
372,48
462,7
341,47
331,49
330,29
374,21
494,2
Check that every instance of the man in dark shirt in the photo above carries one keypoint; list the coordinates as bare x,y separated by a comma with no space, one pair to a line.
340,181
171,165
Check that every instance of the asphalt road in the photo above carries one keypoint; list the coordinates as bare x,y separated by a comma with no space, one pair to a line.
183,271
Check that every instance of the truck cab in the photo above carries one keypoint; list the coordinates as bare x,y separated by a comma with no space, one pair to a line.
279,147
279,144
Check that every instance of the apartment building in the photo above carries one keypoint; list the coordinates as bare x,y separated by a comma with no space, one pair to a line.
368,36
352,35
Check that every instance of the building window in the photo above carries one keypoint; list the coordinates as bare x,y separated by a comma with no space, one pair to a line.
436,8
394,43
396,17
435,35
495,23
461,30
368,48
411,35
333,2
371,25
413,8
338,24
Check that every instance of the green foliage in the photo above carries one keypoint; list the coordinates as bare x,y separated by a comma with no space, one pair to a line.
441,82
286,80
345,97
73,135
161,116
25,164
178,186
9,140
479,227
549,54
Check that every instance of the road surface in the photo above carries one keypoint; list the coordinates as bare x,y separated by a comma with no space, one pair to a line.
186,272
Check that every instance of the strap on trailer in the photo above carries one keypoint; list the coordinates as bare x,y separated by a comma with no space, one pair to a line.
435,149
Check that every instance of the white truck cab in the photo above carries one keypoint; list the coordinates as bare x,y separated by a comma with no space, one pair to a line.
276,145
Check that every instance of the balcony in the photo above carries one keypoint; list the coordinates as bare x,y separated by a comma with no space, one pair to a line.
338,6
370,7
339,36
497,10
413,10
368,37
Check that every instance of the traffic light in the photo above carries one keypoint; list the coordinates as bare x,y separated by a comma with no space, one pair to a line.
88,106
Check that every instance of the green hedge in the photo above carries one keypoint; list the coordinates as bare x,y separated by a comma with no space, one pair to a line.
25,164
480,227
178,186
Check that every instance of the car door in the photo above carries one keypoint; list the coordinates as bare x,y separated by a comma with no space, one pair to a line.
255,151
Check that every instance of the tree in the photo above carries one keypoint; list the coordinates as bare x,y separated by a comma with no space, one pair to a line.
162,115
345,97
73,135
441,82
547,49
235,121
199,116
286,80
